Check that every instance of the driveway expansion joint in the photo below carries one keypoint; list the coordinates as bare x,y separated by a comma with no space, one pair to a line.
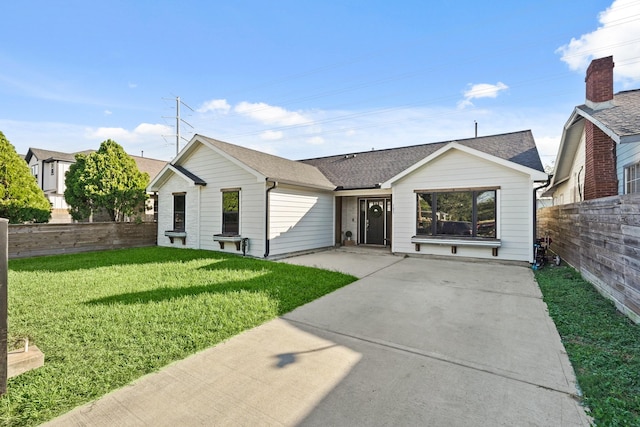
439,357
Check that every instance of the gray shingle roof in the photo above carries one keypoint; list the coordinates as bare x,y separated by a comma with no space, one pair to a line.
623,118
196,179
273,167
148,165
53,155
369,168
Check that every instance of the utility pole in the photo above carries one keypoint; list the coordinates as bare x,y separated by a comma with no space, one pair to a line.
178,121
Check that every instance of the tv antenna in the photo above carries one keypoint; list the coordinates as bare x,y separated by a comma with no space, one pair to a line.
178,121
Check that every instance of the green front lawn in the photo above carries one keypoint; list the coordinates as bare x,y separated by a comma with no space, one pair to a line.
104,319
602,344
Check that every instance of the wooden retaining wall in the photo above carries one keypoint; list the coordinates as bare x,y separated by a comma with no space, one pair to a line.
53,239
601,239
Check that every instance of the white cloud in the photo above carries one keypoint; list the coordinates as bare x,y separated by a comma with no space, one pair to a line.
270,115
107,113
133,85
219,105
316,140
124,135
481,90
271,135
617,35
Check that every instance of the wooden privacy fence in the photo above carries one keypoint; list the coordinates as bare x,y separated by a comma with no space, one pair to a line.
601,239
52,239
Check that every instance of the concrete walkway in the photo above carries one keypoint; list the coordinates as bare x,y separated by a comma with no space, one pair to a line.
414,342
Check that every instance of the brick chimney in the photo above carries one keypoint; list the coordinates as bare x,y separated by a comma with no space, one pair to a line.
600,178
600,83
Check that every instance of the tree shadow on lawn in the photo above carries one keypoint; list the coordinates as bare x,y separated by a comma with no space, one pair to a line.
295,285
114,257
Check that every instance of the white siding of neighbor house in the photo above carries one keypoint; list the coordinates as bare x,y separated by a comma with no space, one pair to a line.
572,190
456,169
627,155
204,203
300,220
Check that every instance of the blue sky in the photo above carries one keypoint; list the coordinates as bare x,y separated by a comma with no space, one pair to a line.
302,79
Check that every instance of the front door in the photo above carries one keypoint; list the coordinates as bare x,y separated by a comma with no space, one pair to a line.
374,221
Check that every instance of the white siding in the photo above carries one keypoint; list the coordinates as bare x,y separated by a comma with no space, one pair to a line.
300,220
176,184
219,173
456,169
572,190
627,154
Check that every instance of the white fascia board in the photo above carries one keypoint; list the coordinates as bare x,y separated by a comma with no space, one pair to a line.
569,142
535,174
298,184
164,175
366,192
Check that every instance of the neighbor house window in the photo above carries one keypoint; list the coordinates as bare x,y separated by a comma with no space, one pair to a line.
34,170
52,168
632,179
455,213
179,211
231,211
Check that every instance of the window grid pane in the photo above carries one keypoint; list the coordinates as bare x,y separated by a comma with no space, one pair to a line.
632,177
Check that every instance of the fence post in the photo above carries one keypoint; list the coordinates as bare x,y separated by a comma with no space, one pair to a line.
4,281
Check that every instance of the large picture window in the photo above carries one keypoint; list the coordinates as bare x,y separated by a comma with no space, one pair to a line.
179,211
469,213
231,212
632,179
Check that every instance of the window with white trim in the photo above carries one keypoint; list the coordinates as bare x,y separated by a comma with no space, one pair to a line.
632,179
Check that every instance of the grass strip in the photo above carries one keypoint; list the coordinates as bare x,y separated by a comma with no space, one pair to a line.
603,345
104,319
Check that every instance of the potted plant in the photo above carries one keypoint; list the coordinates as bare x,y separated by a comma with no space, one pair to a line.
348,241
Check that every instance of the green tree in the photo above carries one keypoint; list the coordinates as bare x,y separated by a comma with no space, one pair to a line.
107,179
21,200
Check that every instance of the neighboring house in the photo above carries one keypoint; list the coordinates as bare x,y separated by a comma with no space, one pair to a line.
599,153
49,169
472,197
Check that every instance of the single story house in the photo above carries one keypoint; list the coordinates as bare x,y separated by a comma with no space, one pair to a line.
471,197
599,153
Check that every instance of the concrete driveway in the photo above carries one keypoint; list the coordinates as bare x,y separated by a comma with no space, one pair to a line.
414,342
